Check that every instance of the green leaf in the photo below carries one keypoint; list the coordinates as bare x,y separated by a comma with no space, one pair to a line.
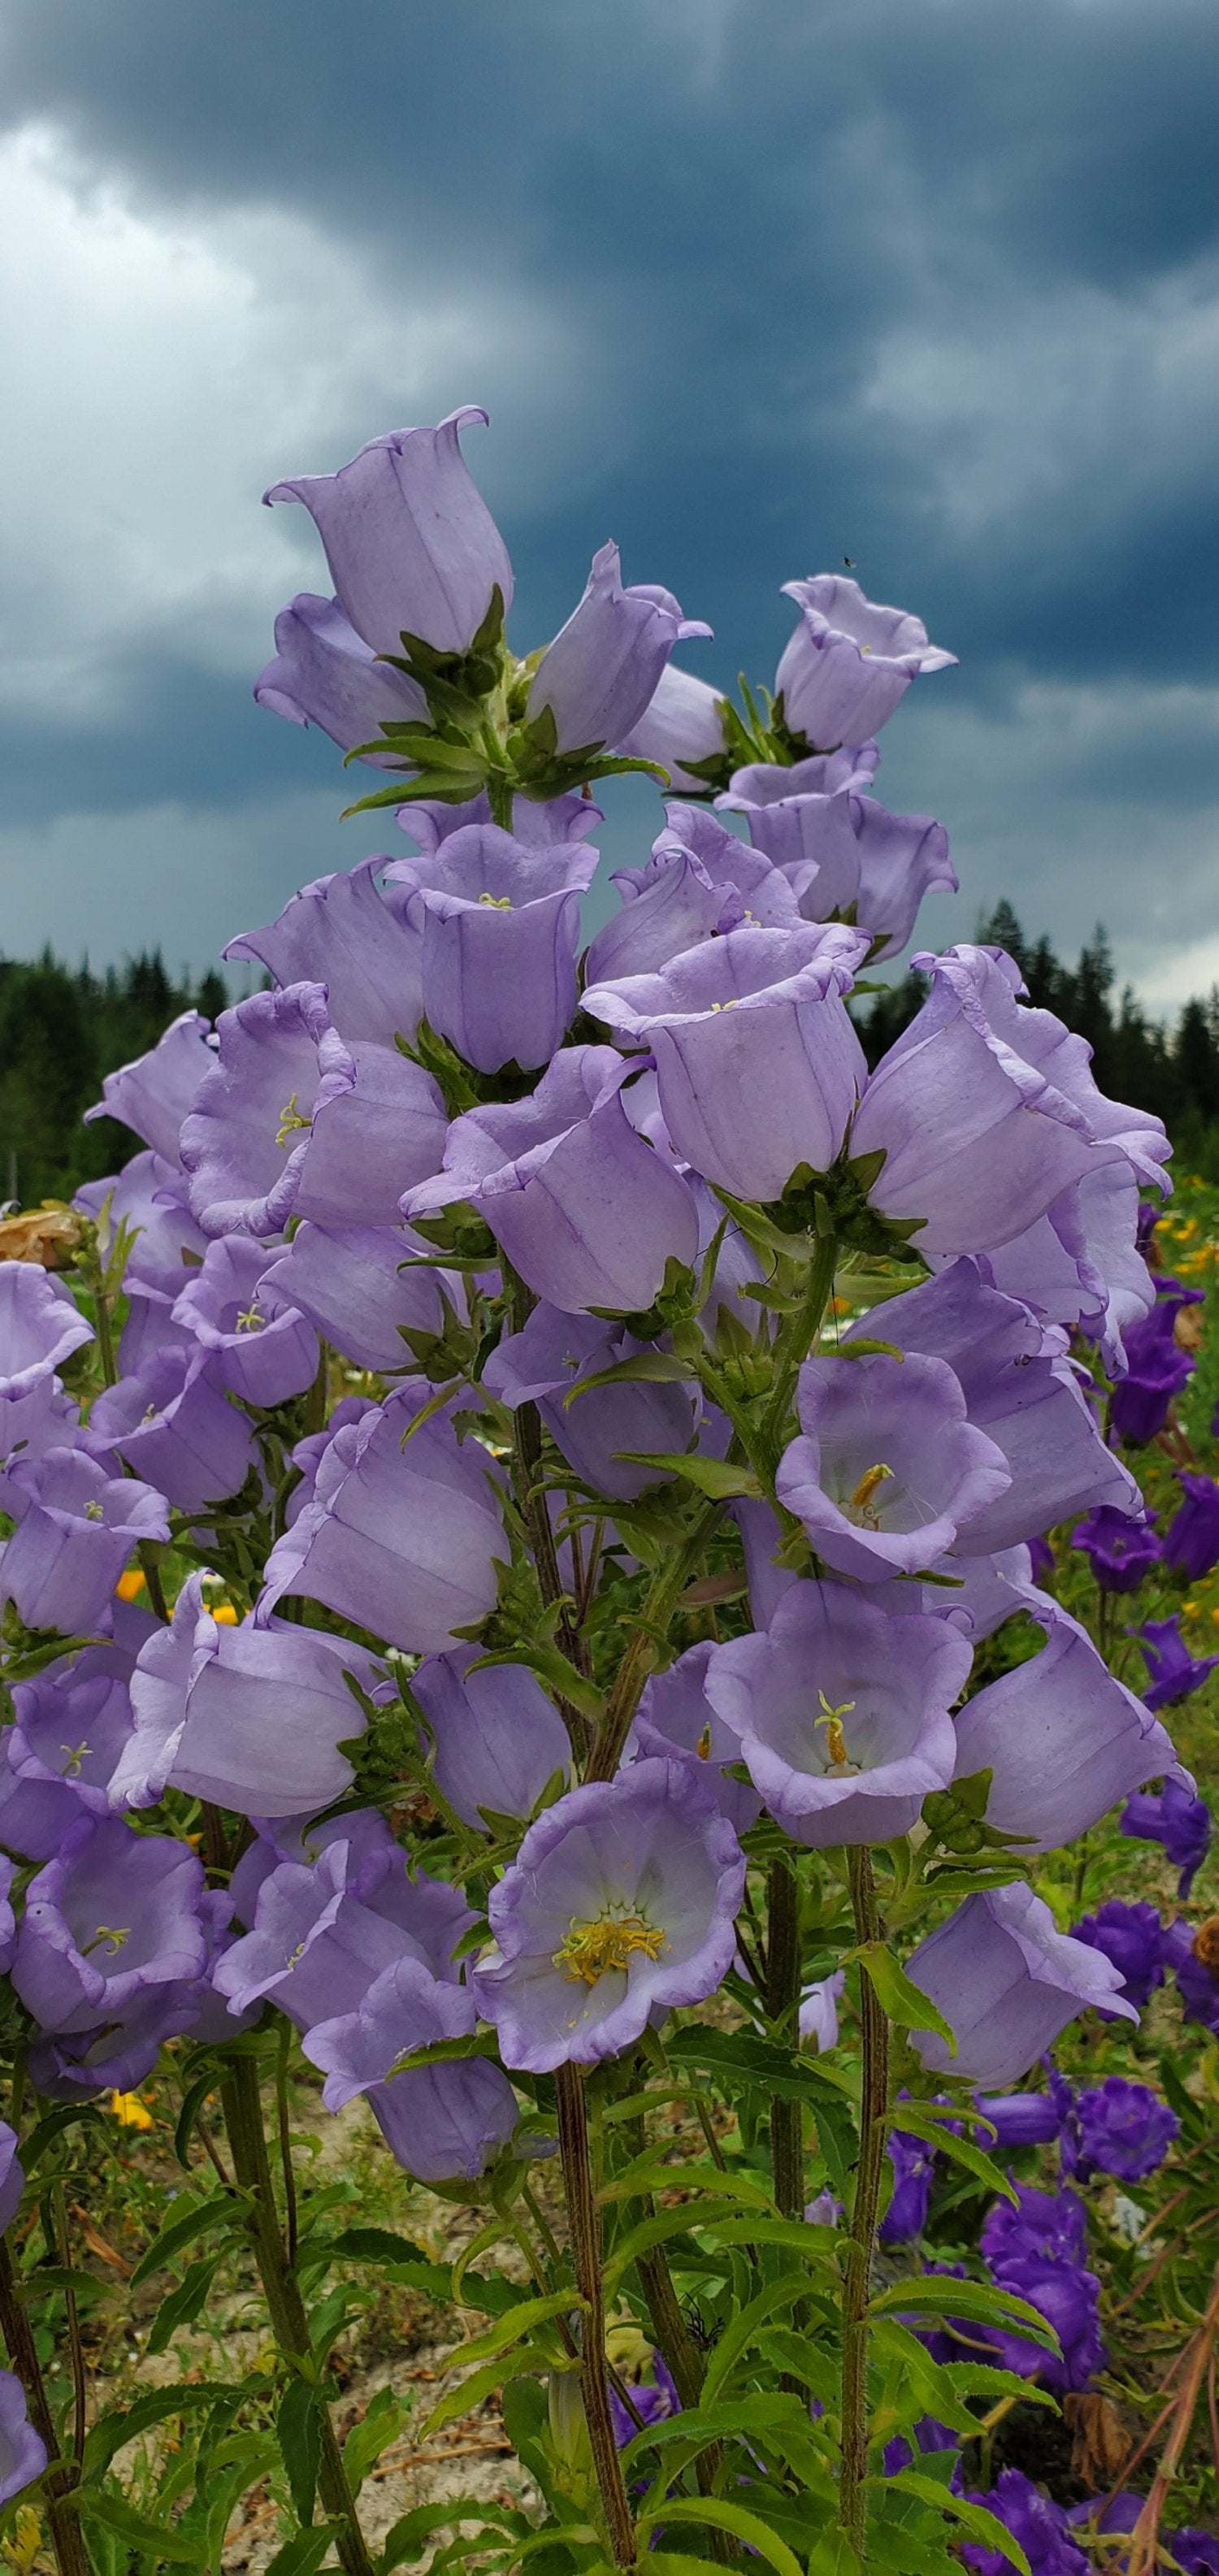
904,2002
649,1368
192,2105
184,2303
738,2337
976,2301
561,1678
713,2511
706,2424
381,2424
642,2175
520,2320
486,2383
740,2062
919,2123
976,2519
666,2224
303,2554
298,2428
221,2209
42,2137
121,2425
712,1476
159,2540
410,2535
443,2052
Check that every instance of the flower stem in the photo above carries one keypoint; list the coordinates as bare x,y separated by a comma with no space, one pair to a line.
782,2006
792,1346
65,2530
874,2104
585,2233
289,2324
637,1662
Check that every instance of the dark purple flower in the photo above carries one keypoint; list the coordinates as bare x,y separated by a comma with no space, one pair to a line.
1174,1671
850,661
1191,1541
757,1063
1196,2552
1120,1551
1019,2119
365,947
1035,2521
361,1286
652,2400
23,2453
114,1915
1122,2129
409,540
541,1364
497,1739
842,1713
600,674
323,673
153,1093
1181,1822
501,926
439,2121
402,1534
172,1424
682,722
291,1121
261,1346
249,1717
1041,2226
676,1722
913,2163
78,1529
587,1212
12,2179
1192,1957
621,1904
1007,1982
889,1469
1037,2249
1129,1936
1062,1738
1156,1367
1026,1119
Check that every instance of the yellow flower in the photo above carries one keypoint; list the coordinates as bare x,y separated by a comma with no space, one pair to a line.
130,2112
130,1584
224,1614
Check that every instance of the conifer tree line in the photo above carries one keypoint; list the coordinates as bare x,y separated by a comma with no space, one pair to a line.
63,1028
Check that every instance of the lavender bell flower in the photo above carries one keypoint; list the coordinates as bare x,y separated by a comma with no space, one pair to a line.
842,1713
620,1905
262,1347
114,1915
1035,2521
365,947
1020,2119
501,926
1191,1541
757,1062
1122,2129
819,2013
541,1364
587,1212
362,1287
1130,1937
497,1739
600,673
770,896
149,1197
410,542
439,2121
672,904
1062,1738
889,1469
676,1722
152,1094
913,2162
1007,1982
1079,1264
8,1920
1120,1552
681,723
404,1539
72,1724
23,2453
173,1425
850,661
292,1122
1178,1820
1026,1120
1019,1389
325,1929
78,1529
864,864
825,773
1174,1672
40,1327
12,2179
323,673
250,1717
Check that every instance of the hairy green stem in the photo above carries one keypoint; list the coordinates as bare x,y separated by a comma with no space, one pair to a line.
792,1346
66,2540
531,1500
783,2007
251,2166
585,2235
641,1654
874,2104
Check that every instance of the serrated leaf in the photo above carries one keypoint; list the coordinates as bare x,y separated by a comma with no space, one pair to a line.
740,2334
712,1476
158,2540
223,2207
183,2304
975,2301
508,2329
911,2118
380,2425
410,2535
303,2554
298,2430
647,1368
903,2001
121,2425
721,2516
976,2518
485,2383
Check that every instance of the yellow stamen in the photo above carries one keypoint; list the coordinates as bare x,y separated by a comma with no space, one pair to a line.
861,1500
113,1938
250,1320
703,1746
290,1120
76,1754
726,1006
94,1512
593,1948
497,902
835,1740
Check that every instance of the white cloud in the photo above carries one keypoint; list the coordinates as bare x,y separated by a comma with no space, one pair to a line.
162,371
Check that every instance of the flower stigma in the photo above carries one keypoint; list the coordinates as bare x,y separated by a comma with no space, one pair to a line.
835,1739
76,1754
861,1505
250,1320
289,1121
591,1949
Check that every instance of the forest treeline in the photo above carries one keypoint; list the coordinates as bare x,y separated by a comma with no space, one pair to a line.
62,1029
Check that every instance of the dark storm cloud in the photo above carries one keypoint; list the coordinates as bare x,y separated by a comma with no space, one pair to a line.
937,288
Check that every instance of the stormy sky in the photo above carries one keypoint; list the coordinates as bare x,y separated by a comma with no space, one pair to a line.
748,285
